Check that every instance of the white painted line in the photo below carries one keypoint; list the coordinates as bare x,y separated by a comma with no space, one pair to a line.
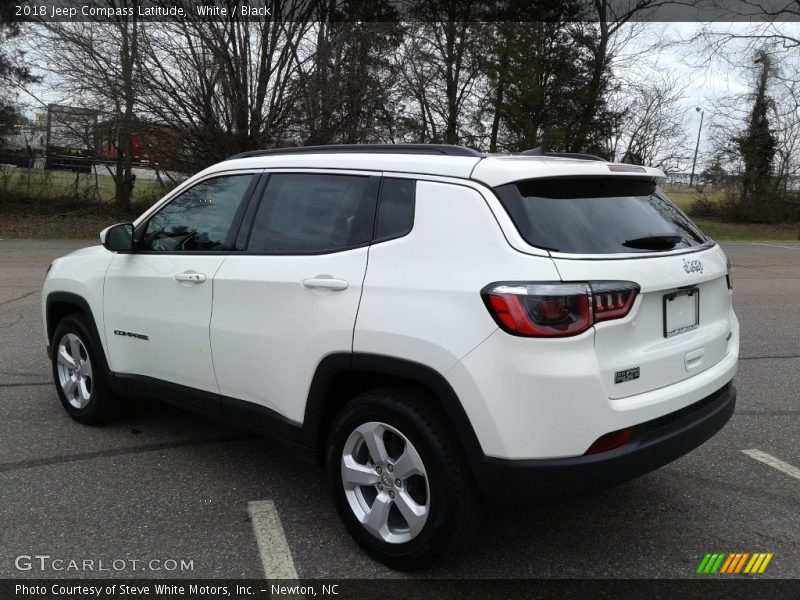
796,247
773,462
275,554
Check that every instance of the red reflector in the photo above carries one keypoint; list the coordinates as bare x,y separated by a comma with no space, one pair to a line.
612,440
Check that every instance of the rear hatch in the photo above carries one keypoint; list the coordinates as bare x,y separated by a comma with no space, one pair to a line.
601,229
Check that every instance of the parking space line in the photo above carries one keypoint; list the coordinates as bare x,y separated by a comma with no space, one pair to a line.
276,557
773,462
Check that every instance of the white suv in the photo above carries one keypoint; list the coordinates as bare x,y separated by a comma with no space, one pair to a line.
437,326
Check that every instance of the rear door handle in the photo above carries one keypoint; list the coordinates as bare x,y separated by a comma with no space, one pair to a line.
326,282
190,277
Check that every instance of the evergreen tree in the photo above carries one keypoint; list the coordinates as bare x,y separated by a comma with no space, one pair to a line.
757,144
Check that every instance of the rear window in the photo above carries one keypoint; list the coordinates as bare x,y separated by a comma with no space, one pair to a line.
597,216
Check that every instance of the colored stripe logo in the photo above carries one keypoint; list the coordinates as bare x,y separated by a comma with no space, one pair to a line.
734,563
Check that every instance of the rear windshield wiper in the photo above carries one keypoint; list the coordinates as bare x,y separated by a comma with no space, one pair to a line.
654,242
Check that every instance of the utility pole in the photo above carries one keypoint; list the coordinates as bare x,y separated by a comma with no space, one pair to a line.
697,146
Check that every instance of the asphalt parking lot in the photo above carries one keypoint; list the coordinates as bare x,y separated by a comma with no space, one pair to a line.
167,485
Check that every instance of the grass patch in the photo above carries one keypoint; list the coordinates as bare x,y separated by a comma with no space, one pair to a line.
39,184
719,229
40,204
60,219
724,231
684,196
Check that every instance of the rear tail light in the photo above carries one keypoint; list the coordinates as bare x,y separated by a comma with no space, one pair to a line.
557,309
612,299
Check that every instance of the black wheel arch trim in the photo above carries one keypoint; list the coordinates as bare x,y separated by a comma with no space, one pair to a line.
82,305
66,298
403,369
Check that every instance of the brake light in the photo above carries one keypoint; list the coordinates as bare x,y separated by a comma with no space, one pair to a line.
626,169
557,309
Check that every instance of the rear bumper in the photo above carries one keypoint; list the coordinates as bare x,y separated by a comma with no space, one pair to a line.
654,444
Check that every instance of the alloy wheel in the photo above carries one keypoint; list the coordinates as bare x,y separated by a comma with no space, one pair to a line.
385,482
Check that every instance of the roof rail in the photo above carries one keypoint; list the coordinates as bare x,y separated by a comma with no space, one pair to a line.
539,151
438,149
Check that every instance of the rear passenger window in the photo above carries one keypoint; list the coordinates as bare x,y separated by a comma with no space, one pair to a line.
395,209
314,213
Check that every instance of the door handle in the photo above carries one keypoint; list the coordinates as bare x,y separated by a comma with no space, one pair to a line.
325,282
190,277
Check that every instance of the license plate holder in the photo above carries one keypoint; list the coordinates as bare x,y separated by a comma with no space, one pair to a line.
681,311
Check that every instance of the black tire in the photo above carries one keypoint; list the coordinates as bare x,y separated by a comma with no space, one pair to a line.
101,405
453,503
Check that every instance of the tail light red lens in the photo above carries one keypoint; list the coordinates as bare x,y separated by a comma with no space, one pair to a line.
612,299
557,309
540,309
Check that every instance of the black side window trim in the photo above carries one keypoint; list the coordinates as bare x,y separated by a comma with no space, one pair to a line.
243,235
233,234
247,228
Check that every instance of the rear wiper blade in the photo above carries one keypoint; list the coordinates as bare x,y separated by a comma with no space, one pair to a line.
654,242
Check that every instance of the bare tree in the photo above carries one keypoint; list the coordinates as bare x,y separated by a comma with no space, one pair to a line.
225,86
611,18
413,62
350,82
745,28
786,127
441,67
651,129
96,65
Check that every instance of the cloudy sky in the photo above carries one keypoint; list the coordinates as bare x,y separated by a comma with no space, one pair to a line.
710,78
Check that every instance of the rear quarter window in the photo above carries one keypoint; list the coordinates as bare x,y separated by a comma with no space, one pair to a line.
606,215
395,209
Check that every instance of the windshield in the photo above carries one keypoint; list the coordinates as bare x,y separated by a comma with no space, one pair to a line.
598,215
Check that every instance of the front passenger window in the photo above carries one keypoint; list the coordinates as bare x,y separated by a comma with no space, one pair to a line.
201,218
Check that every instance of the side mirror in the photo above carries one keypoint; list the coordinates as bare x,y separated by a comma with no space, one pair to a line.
118,238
